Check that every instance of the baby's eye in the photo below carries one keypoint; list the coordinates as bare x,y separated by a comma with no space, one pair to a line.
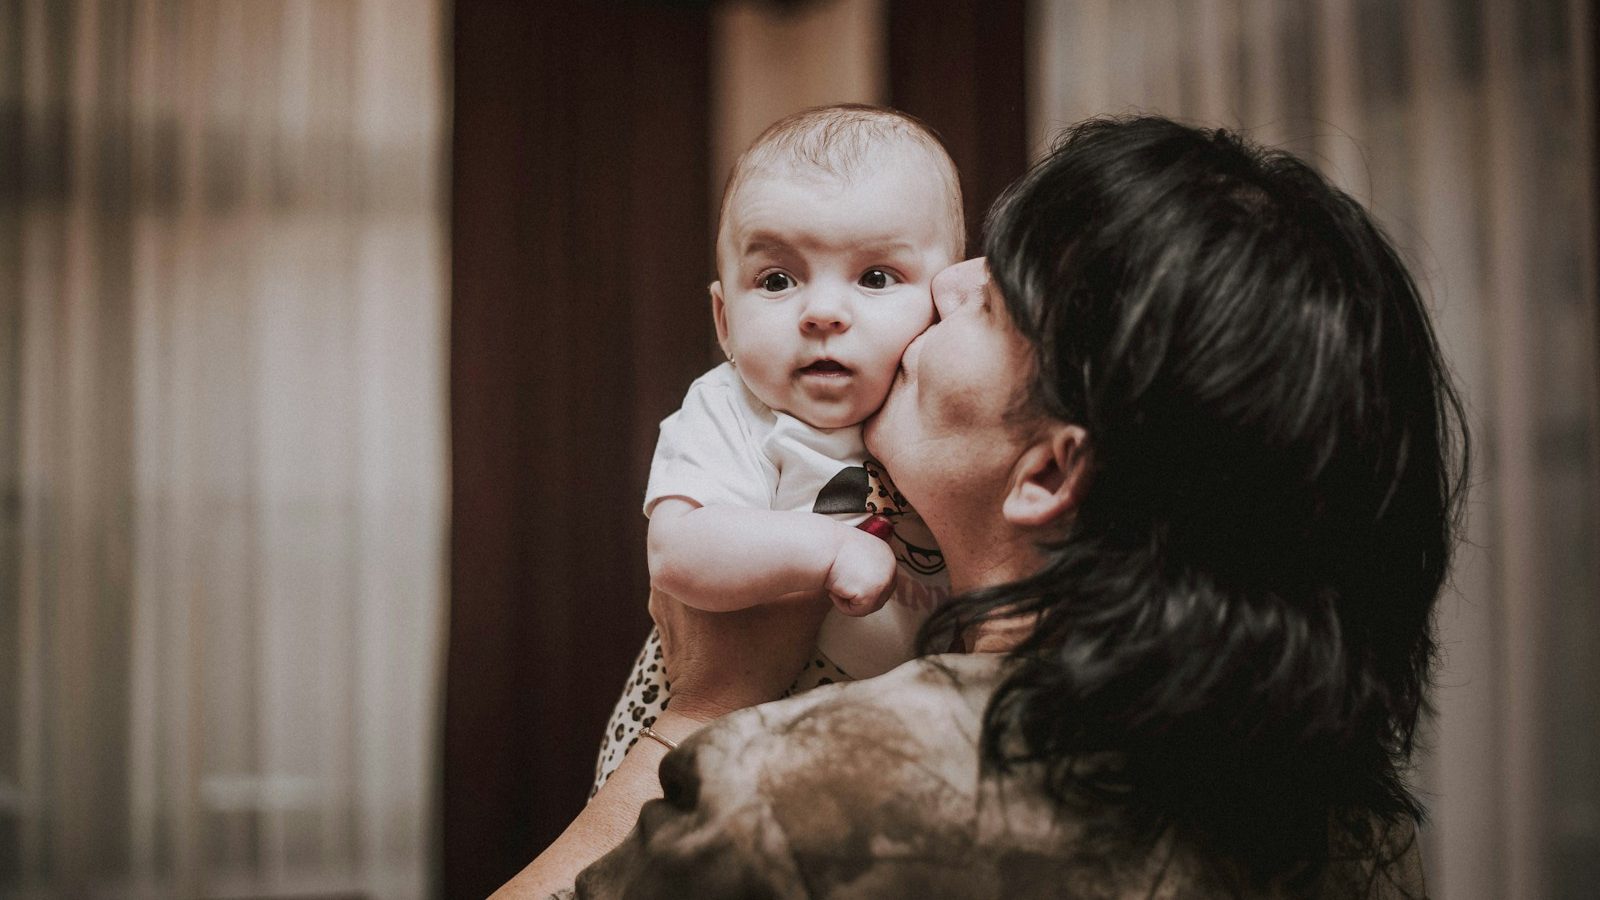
776,282
877,279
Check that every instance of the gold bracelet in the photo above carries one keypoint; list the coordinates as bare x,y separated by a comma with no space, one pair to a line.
653,735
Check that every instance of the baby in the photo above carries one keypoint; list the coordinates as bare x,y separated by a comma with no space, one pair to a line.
833,224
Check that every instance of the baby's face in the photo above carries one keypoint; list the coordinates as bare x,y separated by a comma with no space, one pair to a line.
826,280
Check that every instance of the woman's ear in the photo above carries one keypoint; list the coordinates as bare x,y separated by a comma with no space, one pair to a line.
1049,478
719,315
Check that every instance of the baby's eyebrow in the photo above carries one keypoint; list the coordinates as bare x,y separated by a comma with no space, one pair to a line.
763,242
887,247
767,243
765,249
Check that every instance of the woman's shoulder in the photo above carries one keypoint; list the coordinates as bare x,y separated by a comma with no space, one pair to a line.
929,710
843,768
876,788
932,705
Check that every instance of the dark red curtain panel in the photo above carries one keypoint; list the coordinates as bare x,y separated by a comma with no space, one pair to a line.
959,66
581,251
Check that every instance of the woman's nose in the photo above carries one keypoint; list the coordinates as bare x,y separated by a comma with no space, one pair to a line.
958,283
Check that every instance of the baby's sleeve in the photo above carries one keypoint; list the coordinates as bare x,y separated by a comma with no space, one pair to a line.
709,452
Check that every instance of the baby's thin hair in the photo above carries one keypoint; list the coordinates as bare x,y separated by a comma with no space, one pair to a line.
838,141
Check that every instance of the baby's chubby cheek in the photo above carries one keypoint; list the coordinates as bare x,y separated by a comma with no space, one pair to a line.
885,383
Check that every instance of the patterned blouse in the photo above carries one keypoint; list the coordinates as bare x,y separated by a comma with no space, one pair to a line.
873,790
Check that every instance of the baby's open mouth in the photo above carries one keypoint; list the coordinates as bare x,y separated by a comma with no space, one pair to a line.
825,367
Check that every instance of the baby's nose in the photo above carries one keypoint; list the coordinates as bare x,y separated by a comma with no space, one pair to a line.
825,312
823,323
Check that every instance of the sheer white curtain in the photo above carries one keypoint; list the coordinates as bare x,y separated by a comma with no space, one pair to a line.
222,446
1465,124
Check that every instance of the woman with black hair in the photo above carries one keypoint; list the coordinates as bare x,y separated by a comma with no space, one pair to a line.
1188,445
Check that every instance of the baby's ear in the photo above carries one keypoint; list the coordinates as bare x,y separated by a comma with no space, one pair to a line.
719,315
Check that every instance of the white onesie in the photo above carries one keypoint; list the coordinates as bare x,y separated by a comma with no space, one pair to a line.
724,447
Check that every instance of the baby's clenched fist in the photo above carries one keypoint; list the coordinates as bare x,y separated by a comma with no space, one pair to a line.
863,575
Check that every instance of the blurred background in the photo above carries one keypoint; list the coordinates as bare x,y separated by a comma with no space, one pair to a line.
334,335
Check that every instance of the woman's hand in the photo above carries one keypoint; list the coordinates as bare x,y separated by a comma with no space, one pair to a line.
718,662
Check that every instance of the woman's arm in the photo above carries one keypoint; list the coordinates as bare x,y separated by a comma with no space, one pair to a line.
605,821
717,663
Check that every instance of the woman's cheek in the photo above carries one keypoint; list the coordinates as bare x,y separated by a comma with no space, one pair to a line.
885,432
922,313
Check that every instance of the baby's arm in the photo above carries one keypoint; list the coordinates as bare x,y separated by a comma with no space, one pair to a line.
720,558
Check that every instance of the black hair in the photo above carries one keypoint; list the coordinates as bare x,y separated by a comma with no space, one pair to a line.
1234,635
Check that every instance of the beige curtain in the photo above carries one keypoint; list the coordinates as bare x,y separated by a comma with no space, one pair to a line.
222,454
1465,124
769,61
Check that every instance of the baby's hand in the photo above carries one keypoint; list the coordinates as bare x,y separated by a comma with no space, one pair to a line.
863,574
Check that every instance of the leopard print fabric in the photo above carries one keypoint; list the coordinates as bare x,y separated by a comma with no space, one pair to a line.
647,692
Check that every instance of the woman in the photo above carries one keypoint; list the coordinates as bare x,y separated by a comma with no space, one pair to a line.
1191,454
